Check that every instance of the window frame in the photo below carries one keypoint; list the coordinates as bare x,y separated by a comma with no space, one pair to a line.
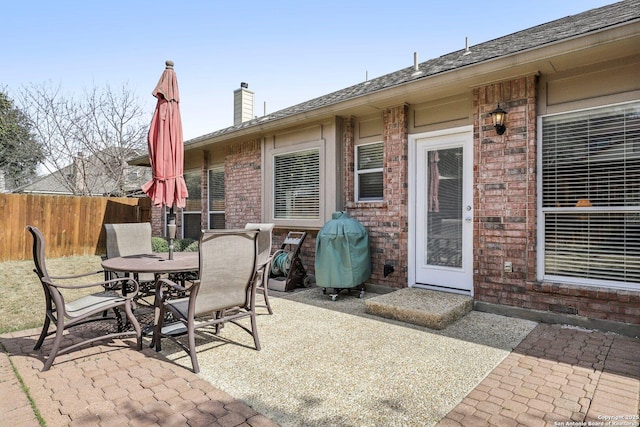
210,211
186,212
542,212
269,190
357,173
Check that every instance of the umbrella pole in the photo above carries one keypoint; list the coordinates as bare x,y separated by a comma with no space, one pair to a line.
171,230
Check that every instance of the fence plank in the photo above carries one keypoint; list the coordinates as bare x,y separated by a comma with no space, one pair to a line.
72,225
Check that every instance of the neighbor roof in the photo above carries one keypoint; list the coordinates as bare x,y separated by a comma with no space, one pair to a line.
100,182
551,32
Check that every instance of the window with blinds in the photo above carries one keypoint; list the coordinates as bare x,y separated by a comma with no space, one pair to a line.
368,172
216,198
297,185
192,212
590,183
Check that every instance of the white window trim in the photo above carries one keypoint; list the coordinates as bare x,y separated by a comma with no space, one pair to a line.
269,179
540,235
357,172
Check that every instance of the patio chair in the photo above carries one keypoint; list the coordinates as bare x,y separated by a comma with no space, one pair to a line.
265,241
131,239
83,310
225,291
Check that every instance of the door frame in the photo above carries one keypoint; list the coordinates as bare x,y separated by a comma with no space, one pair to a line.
412,202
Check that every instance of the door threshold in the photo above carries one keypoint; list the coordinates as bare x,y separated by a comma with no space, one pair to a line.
443,289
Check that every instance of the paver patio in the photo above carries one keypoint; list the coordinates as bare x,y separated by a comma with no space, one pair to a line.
554,376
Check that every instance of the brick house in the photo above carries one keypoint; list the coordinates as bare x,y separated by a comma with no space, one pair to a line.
543,219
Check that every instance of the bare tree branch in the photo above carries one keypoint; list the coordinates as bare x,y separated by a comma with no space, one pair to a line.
87,140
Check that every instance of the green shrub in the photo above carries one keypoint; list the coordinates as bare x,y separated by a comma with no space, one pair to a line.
181,245
159,244
193,247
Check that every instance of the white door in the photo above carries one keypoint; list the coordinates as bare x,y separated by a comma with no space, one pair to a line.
444,211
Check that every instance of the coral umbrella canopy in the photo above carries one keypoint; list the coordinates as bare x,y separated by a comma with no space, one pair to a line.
166,146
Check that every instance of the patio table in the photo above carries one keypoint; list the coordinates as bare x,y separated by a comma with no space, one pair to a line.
156,263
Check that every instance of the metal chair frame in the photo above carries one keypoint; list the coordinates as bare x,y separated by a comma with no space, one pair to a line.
90,308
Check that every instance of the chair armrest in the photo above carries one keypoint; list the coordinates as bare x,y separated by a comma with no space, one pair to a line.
102,283
171,284
264,264
164,282
74,276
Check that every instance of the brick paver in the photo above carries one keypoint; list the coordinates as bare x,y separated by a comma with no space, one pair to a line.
14,404
558,376
111,385
555,376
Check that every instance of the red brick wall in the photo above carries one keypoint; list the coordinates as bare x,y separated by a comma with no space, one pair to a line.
243,197
505,220
387,221
587,301
157,221
504,198
242,184
505,191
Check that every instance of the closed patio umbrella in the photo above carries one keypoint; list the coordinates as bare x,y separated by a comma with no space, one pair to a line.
166,150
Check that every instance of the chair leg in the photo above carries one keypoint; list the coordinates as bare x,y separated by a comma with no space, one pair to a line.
136,326
263,288
219,326
43,334
254,330
157,330
56,345
192,346
265,293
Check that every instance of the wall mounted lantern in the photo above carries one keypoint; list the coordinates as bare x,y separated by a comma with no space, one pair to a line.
498,116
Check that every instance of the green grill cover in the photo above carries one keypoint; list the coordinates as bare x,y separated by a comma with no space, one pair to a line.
343,259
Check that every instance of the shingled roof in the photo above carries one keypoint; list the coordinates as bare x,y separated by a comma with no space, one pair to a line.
551,32
98,180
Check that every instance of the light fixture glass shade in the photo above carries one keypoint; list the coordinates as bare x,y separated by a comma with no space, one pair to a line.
498,116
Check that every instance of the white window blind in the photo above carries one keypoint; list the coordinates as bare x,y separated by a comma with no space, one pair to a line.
369,174
191,214
216,198
591,194
297,185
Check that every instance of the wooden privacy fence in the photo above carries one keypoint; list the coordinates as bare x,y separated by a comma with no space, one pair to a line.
71,225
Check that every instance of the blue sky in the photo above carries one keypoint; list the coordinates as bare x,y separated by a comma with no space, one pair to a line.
287,51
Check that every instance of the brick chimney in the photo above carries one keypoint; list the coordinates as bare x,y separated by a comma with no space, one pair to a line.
242,104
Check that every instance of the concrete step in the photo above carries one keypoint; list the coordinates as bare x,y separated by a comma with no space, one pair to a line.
422,307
